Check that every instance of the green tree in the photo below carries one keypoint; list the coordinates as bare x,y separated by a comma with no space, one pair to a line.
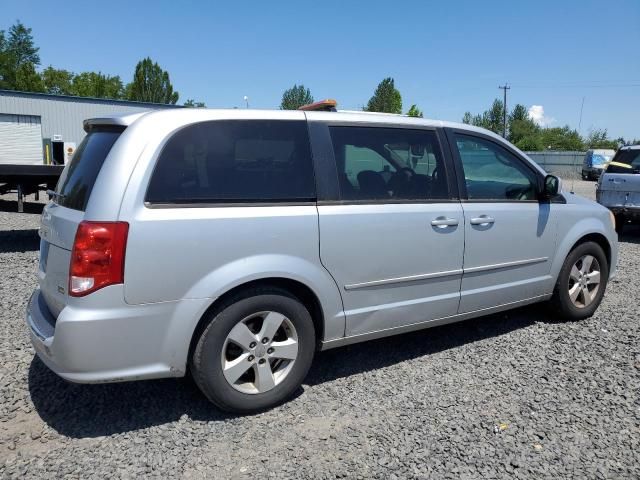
27,79
386,98
295,97
97,85
490,119
20,44
561,138
523,132
519,112
57,82
414,111
18,53
493,118
191,103
3,60
599,138
525,135
151,84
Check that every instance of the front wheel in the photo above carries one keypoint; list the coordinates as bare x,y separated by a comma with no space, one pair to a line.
581,282
255,351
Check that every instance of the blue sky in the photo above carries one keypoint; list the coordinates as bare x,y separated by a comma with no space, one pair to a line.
447,57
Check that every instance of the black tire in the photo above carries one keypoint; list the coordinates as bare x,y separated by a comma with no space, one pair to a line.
206,367
620,223
561,301
584,176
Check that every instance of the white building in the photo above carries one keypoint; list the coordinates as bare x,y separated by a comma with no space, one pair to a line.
38,128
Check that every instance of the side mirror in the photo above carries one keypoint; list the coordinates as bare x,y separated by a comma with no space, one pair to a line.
551,186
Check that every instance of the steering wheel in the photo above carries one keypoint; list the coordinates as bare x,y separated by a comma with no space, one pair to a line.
409,170
401,181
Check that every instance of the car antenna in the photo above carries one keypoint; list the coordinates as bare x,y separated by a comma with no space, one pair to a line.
575,171
573,174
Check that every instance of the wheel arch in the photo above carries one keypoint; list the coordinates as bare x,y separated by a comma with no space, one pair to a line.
598,238
296,288
585,231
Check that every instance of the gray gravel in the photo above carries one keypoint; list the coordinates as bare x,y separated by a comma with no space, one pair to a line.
512,395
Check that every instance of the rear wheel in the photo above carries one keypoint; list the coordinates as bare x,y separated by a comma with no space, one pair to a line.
255,351
581,282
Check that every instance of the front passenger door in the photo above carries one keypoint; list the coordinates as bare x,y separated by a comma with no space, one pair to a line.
509,235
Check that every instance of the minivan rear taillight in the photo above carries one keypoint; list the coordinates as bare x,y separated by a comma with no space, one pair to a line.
97,257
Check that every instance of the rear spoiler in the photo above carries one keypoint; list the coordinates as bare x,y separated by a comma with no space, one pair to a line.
112,121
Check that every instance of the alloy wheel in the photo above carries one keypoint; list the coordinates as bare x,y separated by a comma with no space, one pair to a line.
259,352
584,281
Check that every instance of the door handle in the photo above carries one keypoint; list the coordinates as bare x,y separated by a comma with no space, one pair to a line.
444,222
482,220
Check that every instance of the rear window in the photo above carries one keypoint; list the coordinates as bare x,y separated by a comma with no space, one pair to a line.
77,179
628,160
235,161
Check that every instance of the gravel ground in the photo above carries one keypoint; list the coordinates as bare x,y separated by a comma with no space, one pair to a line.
512,395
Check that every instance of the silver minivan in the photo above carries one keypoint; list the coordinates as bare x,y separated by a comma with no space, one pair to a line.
233,244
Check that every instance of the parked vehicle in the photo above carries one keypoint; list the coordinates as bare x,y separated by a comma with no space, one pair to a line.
619,187
235,243
594,163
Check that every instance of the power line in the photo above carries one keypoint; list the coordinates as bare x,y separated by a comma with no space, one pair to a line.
583,85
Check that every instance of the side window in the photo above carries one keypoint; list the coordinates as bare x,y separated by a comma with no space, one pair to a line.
235,161
388,163
359,159
492,172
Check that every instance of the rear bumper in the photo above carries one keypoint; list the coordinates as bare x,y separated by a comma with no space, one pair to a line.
591,173
110,344
620,201
627,211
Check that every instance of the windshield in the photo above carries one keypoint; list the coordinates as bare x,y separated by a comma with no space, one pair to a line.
79,176
624,158
600,158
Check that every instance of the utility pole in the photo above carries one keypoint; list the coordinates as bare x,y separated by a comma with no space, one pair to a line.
504,88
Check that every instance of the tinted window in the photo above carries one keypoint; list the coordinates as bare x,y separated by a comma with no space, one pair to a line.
493,173
625,161
79,176
235,161
388,163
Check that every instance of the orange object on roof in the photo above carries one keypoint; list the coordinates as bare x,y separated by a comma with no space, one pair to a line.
328,105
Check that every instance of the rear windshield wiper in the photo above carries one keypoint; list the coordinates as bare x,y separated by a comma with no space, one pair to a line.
55,195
